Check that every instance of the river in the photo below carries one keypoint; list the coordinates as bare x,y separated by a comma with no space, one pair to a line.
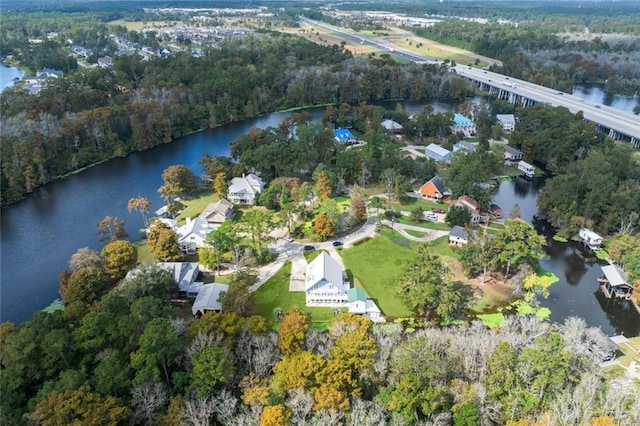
8,76
40,233
577,293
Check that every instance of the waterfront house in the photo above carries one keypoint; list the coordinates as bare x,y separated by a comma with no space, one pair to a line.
391,126
458,236
512,154
434,189
438,153
507,121
243,190
496,211
614,282
360,305
526,169
326,284
474,208
191,236
590,239
462,124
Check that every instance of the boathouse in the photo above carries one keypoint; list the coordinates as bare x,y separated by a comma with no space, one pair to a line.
614,282
526,169
590,239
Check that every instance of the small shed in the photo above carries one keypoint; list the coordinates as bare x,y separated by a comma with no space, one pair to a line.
614,282
208,299
458,236
590,239
357,300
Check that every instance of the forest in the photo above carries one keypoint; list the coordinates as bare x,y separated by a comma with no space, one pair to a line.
94,114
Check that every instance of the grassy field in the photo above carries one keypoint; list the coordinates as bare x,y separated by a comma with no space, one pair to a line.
427,224
377,264
140,25
415,202
275,293
417,234
144,254
196,205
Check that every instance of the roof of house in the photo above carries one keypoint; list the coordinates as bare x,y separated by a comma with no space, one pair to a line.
460,120
506,118
208,297
615,275
459,232
469,146
250,184
324,268
371,307
185,273
343,135
437,151
588,233
391,125
511,150
438,182
197,228
356,294
467,201
217,212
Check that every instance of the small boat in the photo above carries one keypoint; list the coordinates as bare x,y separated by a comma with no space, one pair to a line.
496,211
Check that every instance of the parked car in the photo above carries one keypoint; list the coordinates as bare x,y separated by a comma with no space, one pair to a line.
288,239
439,211
308,248
337,243
431,216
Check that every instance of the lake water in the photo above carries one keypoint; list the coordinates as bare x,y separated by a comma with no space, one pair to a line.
594,93
8,76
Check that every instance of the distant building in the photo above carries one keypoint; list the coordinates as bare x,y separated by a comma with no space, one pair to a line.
105,62
438,153
462,124
185,275
434,189
507,121
391,126
512,154
465,146
474,208
243,190
458,236
49,73
191,236
344,136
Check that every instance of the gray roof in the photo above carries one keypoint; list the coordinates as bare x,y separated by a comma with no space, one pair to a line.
208,296
615,275
217,212
438,182
324,268
506,118
391,125
459,232
437,152
511,150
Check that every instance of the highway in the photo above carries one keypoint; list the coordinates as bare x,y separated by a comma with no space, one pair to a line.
621,121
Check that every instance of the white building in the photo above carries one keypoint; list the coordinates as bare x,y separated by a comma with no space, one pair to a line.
208,299
360,305
438,153
526,169
218,212
507,121
458,236
191,236
590,239
326,284
185,274
243,190
391,126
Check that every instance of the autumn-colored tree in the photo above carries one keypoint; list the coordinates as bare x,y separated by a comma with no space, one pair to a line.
179,181
79,407
175,413
358,207
323,226
118,258
297,370
86,285
226,324
84,257
275,415
163,242
142,205
110,229
292,331
323,186
220,184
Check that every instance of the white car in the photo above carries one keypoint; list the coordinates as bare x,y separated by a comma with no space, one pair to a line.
288,239
431,216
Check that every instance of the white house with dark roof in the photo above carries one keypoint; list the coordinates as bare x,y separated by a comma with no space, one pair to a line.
218,212
243,190
438,153
326,284
507,121
590,238
208,299
458,236
615,282
512,154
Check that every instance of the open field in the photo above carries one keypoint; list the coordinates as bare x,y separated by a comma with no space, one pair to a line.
327,38
196,205
140,25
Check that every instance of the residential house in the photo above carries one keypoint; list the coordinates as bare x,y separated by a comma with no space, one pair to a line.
526,169
359,304
326,284
465,146
474,208
512,154
218,212
462,124
507,121
615,283
243,190
191,236
391,126
185,274
105,62
434,189
458,236
344,136
438,153
208,299
49,73
590,239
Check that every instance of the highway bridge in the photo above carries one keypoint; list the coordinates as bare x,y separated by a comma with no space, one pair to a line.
619,125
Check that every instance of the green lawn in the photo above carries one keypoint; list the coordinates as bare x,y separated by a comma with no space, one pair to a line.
417,234
144,254
377,264
412,203
427,224
441,247
275,293
196,205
